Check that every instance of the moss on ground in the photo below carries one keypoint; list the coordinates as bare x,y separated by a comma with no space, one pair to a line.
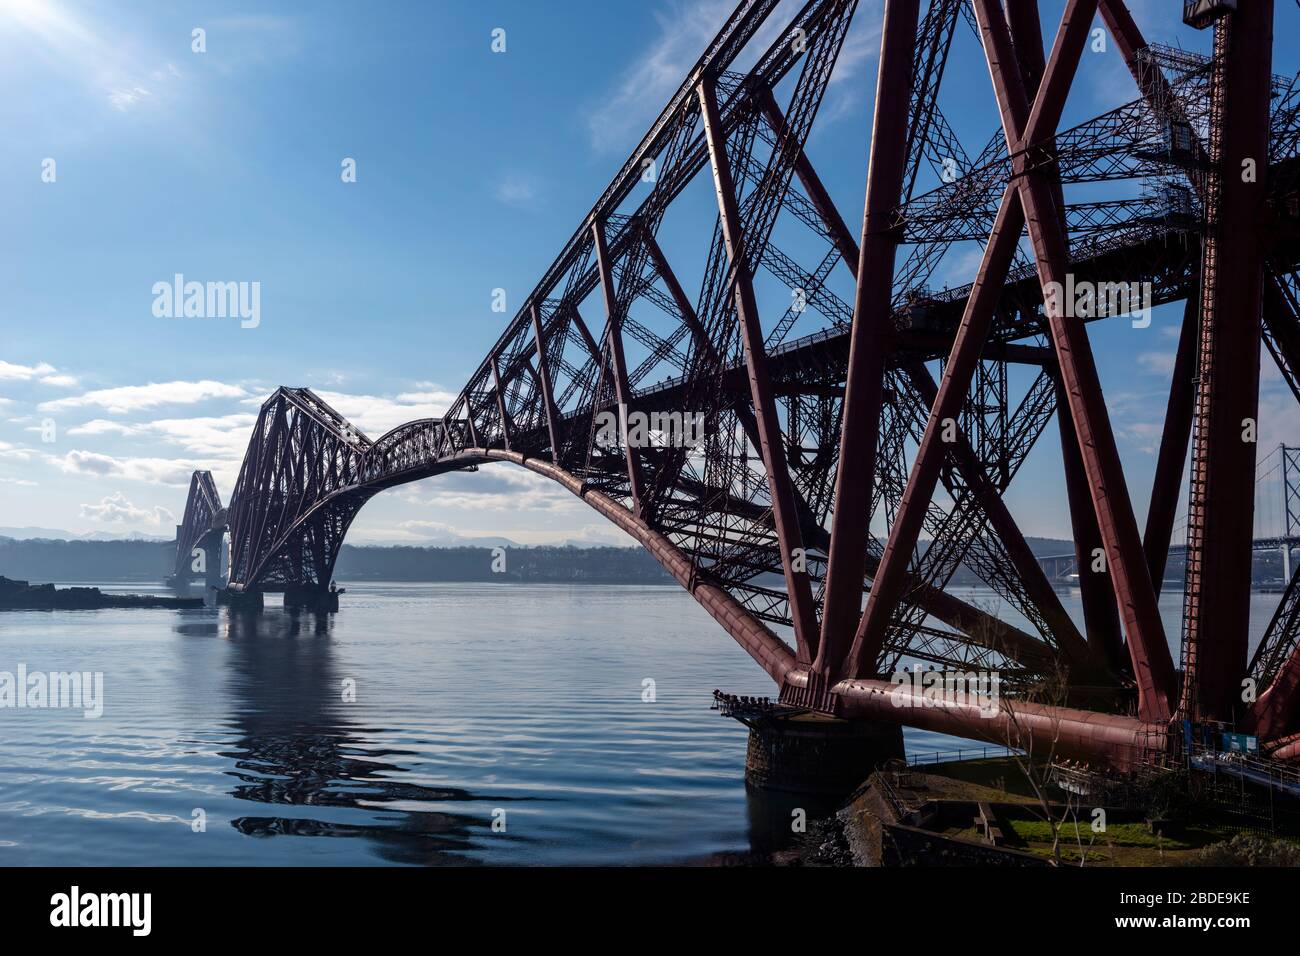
1201,842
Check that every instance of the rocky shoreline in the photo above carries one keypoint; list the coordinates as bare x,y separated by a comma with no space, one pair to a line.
22,596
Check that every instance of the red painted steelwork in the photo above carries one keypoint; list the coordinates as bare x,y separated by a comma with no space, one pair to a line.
872,312
1222,496
1152,665
544,379
1065,731
765,415
809,437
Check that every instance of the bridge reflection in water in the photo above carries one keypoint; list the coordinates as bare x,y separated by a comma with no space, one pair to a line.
298,748
457,717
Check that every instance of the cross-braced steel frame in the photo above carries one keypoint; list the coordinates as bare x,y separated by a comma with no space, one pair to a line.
202,526
872,454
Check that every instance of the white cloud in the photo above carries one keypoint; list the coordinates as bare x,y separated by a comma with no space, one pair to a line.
116,509
123,100
607,533
960,265
8,450
375,414
428,527
211,436
1157,363
1144,435
42,372
99,426
157,471
131,398
23,373
685,30
496,487
849,84
106,60
224,436
861,45
1279,419
626,113
517,189
442,534
428,394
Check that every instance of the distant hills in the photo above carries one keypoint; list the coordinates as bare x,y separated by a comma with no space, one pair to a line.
448,540
59,534
51,555
41,559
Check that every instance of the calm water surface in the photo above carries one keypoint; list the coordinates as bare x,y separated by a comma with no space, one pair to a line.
473,703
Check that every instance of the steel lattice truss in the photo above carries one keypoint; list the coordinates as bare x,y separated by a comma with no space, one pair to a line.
204,518
861,431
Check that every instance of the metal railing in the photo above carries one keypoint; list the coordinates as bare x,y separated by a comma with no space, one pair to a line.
952,756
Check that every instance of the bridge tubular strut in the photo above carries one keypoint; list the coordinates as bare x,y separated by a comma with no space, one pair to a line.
1152,665
1120,741
868,345
614,339
543,373
765,415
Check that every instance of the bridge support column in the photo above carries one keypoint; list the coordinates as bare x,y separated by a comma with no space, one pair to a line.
213,547
817,754
239,600
312,599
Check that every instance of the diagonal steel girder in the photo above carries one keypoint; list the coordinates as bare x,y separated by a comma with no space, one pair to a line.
1024,128
614,341
1030,197
869,342
765,414
1031,574
1101,617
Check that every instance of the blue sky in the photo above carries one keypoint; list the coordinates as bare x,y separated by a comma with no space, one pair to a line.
472,170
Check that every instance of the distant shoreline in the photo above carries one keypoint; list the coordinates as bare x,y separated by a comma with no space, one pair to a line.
138,561
142,562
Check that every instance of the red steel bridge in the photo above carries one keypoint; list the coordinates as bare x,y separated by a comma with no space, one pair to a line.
861,433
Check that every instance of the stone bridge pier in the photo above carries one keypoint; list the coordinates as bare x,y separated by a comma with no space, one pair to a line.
206,563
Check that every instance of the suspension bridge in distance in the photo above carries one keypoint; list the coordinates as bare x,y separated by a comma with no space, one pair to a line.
1277,533
869,399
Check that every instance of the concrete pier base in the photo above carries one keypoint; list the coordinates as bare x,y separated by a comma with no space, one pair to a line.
312,599
239,600
817,754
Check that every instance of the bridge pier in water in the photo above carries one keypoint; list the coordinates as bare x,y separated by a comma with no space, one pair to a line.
204,561
313,599
816,754
240,600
